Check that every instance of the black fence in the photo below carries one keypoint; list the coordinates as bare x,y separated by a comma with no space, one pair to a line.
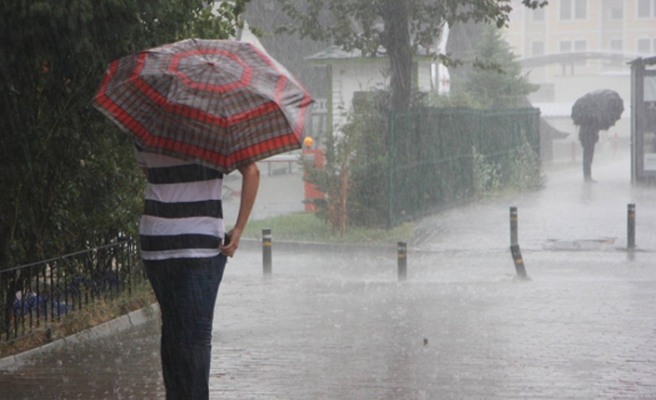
432,154
35,295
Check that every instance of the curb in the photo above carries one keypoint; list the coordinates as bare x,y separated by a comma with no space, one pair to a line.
135,318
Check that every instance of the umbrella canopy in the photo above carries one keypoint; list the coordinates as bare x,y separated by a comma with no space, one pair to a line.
219,103
599,109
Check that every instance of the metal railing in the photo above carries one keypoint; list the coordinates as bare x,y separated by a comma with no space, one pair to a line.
35,295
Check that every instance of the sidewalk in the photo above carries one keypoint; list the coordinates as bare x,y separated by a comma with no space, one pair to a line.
567,214
338,325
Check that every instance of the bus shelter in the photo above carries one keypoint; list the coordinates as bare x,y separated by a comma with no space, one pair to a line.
643,120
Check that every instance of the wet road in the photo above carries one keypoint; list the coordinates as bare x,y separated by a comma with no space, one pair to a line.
332,325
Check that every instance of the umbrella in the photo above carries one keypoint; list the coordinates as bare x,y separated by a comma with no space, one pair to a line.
598,110
219,103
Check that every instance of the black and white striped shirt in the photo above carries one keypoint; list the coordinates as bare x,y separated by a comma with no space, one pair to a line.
183,216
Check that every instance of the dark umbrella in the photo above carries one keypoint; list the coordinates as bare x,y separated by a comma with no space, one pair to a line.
598,110
220,103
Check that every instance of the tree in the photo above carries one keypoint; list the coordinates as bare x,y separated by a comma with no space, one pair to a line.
67,175
397,28
504,85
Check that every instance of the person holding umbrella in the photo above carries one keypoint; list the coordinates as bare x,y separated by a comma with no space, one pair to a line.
184,249
593,112
198,109
588,136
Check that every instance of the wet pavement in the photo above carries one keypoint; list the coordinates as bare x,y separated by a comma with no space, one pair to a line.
338,325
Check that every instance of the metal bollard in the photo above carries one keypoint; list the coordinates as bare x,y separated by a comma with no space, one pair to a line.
402,261
519,262
630,242
266,251
513,226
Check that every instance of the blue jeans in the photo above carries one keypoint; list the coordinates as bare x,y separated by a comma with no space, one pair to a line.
186,290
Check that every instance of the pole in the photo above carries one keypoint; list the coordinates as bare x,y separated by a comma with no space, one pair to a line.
513,226
266,251
402,261
630,242
519,262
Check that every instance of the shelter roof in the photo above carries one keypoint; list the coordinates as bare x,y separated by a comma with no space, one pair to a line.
564,110
644,61
555,110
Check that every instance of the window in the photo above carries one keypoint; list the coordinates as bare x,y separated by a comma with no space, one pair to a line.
574,9
538,14
615,9
537,48
616,45
646,8
644,46
566,46
617,12
580,45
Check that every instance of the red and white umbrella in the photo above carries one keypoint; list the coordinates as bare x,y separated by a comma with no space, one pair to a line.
219,103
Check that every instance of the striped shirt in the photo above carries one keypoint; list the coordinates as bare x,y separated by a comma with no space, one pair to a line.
183,216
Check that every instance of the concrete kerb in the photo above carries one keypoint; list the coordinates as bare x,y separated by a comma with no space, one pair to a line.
119,324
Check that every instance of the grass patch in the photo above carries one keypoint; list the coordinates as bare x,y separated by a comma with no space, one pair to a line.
306,227
101,311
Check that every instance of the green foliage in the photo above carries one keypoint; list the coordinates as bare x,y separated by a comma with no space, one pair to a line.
369,179
487,175
438,157
306,227
523,172
219,22
396,27
356,24
455,99
67,175
496,81
332,179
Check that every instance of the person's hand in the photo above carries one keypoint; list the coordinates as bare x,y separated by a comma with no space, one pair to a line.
230,248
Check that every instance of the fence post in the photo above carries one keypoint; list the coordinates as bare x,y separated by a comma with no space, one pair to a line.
513,226
402,261
266,251
630,243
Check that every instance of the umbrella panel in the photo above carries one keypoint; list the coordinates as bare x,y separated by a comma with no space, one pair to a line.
212,106
600,109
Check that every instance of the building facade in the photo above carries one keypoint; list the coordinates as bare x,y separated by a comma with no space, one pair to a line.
572,47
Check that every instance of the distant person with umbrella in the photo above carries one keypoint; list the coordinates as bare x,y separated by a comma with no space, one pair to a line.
593,112
198,109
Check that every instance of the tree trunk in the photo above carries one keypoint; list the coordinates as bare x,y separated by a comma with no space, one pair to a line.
396,40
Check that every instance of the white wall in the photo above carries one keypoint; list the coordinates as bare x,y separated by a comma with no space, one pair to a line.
351,77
